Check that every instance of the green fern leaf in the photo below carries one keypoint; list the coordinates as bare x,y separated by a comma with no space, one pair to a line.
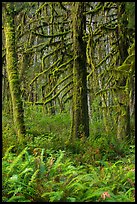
16,160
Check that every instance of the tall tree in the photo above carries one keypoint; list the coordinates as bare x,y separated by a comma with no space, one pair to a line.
123,45
80,119
12,70
55,46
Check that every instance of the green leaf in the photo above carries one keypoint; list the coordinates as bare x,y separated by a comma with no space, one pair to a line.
7,152
56,196
118,162
129,191
57,162
14,178
25,171
33,177
18,199
16,160
71,199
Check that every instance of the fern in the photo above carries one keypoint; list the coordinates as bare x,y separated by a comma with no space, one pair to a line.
57,163
17,160
64,180
7,152
33,177
18,199
25,171
53,196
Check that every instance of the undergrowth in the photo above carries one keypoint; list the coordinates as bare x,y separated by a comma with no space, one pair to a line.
44,176
53,169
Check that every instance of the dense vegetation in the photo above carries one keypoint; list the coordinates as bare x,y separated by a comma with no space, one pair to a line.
68,102
51,169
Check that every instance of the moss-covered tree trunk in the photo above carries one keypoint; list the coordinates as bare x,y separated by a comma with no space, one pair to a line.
123,128
80,119
12,71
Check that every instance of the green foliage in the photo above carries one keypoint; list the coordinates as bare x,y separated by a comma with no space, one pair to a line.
7,132
53,169
17,172
130,9
46,130
63,181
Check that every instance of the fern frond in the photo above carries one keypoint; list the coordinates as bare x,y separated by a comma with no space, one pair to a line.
16,160
25,171
7,152
58,160
33,177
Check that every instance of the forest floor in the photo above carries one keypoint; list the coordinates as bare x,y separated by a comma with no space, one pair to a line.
53,169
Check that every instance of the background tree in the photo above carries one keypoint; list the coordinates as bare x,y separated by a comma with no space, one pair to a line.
47,61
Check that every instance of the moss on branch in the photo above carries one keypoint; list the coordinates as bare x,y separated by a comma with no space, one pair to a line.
35,78
49,100
66,92
60,82
52,52
94,11
113,52
51,36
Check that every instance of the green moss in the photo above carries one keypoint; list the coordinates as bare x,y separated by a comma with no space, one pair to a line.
13,78
80,110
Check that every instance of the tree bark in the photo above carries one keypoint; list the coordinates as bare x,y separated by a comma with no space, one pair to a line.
12,71
123,128
80,118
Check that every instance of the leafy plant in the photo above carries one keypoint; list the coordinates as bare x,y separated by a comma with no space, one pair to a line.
53,169
17,173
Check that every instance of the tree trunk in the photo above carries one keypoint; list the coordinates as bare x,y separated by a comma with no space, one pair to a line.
123,129
11,66
80,119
